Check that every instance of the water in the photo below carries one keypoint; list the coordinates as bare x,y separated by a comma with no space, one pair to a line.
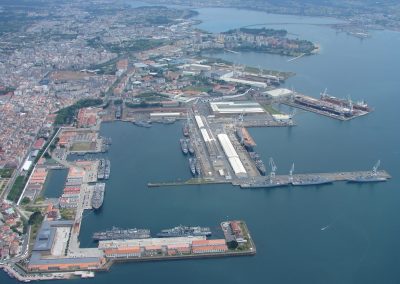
55,182
360,242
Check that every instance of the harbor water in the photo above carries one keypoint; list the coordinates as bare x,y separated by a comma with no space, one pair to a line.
340,233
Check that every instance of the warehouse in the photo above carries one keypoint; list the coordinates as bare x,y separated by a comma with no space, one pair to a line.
237,107
232,156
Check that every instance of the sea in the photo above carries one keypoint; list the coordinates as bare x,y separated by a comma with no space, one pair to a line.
339,233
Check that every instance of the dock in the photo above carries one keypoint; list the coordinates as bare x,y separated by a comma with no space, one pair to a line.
328,106
288,180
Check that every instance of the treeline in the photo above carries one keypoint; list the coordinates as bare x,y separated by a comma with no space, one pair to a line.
260,32
67,115
142,104
17,189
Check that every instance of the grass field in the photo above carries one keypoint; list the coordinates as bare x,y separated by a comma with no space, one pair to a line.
80,146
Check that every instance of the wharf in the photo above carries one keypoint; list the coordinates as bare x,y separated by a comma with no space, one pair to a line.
314,179
192,181
283,180
322,112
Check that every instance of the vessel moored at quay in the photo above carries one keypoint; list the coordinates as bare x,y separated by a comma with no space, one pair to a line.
185,130
103,169
362,105
121,234
184,146
184,231
98,195
192,165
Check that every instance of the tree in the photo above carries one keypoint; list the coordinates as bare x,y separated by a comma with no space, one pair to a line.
232,244
25,200
36,218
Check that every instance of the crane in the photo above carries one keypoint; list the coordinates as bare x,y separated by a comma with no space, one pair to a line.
291,173
273,168
375,168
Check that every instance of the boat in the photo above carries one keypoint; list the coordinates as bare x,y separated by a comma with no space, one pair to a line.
190,146
245,139
120,234
107,169
118,112
184,231
104,169
100,169
324,106
184,146
192,165
265,184
362,105
258,162
142,123
98,195
198,167
185,129
314,180
367,178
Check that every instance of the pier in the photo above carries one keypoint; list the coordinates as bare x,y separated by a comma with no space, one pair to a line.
287,180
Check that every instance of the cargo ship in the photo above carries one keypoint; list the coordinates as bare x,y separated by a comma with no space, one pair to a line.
323,106
245,139
98,195
190,146
258,162
184,146
185,129
362,105
192,165
314,180
121,234
184,231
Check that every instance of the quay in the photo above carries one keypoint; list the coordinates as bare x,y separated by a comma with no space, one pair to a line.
288,180
192,181
329,106
237,242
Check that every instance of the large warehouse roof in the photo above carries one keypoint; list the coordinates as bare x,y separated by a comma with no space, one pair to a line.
232,155
236,107
281,92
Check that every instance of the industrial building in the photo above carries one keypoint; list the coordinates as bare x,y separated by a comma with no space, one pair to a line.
231,77
232,156
49,249
38,263
278,93
236,107
136,248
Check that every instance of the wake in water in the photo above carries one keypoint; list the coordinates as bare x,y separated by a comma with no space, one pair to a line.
326,227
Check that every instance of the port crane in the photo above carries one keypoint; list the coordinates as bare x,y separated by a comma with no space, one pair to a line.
291,173
273,168
375,168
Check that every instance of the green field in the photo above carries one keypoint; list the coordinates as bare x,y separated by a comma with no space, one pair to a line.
270,109
17,189
6,173
81,146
